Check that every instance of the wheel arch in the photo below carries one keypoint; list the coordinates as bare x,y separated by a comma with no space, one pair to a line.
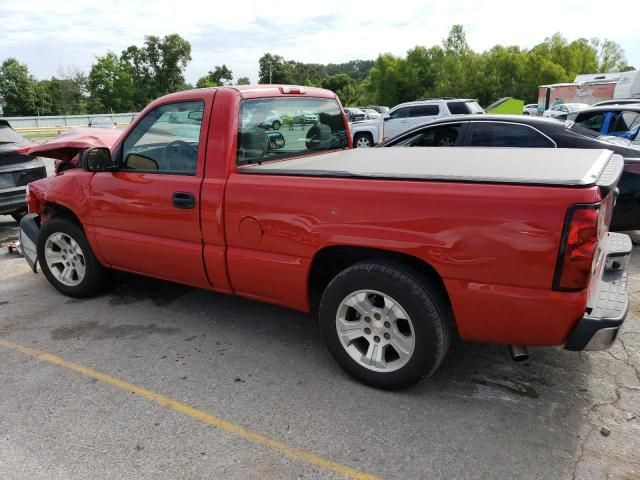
53,209
331,260
367,135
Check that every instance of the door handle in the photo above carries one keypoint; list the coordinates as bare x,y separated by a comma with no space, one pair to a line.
183,200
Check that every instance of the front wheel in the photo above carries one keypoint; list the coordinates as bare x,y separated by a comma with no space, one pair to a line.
362,140
67,260
385,324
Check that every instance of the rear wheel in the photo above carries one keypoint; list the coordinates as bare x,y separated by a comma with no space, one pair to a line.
276,125
67,260
385,324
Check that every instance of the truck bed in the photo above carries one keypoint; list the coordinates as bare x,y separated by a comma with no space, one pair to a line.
562,167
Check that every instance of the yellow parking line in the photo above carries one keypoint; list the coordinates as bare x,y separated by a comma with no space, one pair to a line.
283,448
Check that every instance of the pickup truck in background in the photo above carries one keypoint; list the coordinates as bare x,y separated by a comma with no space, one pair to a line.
397,250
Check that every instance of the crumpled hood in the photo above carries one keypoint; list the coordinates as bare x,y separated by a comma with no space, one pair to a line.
68,144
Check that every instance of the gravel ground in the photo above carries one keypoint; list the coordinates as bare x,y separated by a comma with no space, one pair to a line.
560,415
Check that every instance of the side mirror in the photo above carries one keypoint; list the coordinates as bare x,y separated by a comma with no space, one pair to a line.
386,117
98,160
276,140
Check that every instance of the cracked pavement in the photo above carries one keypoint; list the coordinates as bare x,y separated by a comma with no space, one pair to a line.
481,416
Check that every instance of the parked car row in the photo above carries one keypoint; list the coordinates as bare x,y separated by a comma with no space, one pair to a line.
531,132
616,120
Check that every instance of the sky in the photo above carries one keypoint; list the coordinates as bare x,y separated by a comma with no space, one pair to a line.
52,36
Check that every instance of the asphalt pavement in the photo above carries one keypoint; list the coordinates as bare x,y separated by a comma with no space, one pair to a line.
161,381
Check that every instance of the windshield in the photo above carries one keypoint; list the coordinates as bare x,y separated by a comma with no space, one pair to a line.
275,128
8,135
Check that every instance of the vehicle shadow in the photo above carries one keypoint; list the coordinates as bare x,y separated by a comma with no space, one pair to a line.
479,396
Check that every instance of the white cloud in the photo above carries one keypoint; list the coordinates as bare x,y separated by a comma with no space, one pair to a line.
47,34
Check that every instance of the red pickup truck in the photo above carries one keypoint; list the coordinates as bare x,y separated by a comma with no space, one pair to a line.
395,249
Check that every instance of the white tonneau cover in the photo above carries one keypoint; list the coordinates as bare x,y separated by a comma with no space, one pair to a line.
561,166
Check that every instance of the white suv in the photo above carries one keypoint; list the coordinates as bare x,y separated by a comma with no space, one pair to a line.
407,115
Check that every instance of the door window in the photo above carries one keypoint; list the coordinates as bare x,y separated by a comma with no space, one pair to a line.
437,136
626,122
457,108
489,134
424,110
166,140
400,113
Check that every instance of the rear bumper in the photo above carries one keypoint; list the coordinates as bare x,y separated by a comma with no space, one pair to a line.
29,232
609,301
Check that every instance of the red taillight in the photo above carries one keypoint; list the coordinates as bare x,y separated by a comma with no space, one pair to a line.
578,247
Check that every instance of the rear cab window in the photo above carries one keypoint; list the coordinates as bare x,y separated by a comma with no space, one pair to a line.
308,125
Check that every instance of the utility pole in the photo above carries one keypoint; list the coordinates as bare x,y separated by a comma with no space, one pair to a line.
270,72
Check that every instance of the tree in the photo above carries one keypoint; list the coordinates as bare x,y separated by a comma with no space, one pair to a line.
19,89
274,69
243,81
610,56
68,92
157,68
111,85
344,86
216,77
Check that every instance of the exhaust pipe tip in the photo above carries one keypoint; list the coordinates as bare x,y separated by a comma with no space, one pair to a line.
518,353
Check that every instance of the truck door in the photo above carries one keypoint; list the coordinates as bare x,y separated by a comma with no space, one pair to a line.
146,214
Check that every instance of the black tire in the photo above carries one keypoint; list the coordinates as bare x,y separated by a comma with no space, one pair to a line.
96,276
276,125
364,138
526,113
423,303
18,216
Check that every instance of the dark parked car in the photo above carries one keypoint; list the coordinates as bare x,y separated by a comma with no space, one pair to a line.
16,171
528,131
617,101
617,120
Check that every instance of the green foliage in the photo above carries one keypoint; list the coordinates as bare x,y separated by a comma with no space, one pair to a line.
216,78
610,56
455,70
310,74
274,69
140,74
344,86
20,90
129,81
111,85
